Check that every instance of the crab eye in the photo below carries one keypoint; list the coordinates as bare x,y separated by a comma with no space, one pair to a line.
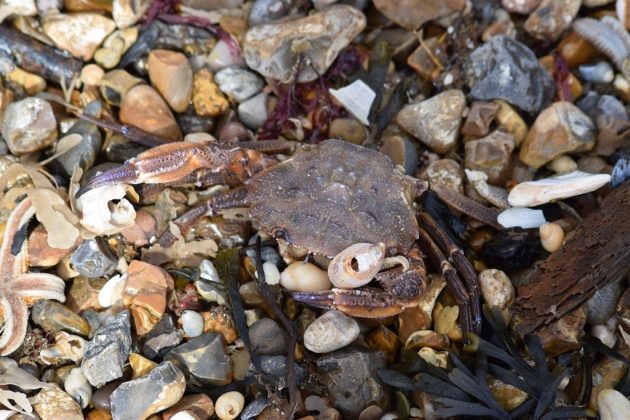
279,233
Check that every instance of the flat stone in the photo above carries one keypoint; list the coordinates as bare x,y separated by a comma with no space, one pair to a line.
351,378
552,18
506,69
162,388
143,107
238,83
53,403
54,317
435,121
43,255
172,76
29,125
78,33
204,360
331,331
92,259
411,14
479,118
107,352
491,155
274,49
268,338
162,338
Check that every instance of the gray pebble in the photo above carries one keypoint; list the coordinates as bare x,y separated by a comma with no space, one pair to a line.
268,338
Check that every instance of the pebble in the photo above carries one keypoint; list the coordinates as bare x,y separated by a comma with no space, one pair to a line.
520,6
83,294
534,193
140,398
115,46
267,11
267,338
433,357
402,152
385,340
274,49
561,128
219,319
238,83
78,33
426,338
331,331
145,294
115,85
77,386
53,403
506,69
29,125
254,111
221,56
562,165
419,318
496,288
511,249
576,50
143,230
172,76
551,237
229,405
351,378
480,116
601,307
204,360
92,259
193,407
83,155
107,352
54,317
101,397
601,72
424,62
43,255
521,217
143,107
348,129
565,334
192,323
412,14
435,121
162,338
551,18
511,122
31,83
275,368
356,98
445,173
613,405
491,155
302,276
129,12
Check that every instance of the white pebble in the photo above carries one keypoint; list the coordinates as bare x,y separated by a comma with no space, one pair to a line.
192,323
331,331
272,274
208,271
613,405
562,165
221,56
229,405
496,288
111,292
521,217
302,276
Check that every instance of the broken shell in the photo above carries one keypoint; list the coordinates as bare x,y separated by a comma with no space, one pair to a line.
101,215
356,265
67,347
111,292
78,387
356,98
551,237
229,405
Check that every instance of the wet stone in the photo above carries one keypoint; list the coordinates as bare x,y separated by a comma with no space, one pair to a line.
54,317
601,307
138,399
162,338
101,397
351,378
402,152
78,33
331,331
237,83
276,368
411,14
143,107
506,69
512,249
172,76
267,11
268,338
204,360
565,334
424,63
479,118
491,155
435,121
253,112
552,18
83,155
107,352
29,125
92,259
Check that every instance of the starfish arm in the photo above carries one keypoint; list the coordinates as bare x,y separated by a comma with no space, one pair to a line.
15,322
37,286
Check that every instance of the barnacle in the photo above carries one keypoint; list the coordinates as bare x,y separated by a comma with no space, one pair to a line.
608,36
356,265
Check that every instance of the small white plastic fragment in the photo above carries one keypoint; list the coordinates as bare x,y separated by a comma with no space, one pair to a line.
521,217
356,98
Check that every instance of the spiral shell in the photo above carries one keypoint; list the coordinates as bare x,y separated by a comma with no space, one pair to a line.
551,237
229,405
356,265
78,387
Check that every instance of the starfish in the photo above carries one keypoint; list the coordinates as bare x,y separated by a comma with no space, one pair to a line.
18,287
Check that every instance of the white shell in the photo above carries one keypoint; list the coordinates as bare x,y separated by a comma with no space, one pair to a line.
521,217
101,215
534,193
208,271
77,386
67,347
551,237
356,98
229,405
368,259
192,323
111,292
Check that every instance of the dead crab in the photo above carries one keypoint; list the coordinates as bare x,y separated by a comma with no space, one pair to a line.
324,199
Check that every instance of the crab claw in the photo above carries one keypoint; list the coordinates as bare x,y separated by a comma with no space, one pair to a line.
125,174
400,290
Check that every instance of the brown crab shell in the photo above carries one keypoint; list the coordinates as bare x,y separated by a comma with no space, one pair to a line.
333,195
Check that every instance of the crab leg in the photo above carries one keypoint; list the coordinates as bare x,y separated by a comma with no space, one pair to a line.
401,290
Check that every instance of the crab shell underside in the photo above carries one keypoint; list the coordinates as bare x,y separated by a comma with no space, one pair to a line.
330,196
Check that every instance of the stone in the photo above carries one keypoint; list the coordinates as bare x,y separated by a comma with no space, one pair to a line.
219,320
302,276
426,338
275,368
267,338
192,323
162,388
600,72
140,365
496,288
212,4
93,259
31,83
107,352
565,334
222,56
83,155
510,121
348,129
172,76
551,18
129,12
204,360
613,405
419,317
54,317
53,403
331,331
29,125
601,307
274,49
491,155
508,396
385,340
101,397
507,69
351,378
238,83
445,173
78,33
402,152
520,6
479,118
267,11
115,46
115,85
411,14
143,107
43,255
194,407
435,121
144,229
562,128
534,193
254,111
83,294
425,64
576,50
162,338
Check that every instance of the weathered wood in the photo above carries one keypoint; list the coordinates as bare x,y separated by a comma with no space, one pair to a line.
37,57
598,254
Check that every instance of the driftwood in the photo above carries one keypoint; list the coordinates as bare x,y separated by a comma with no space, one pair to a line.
37,57
598,254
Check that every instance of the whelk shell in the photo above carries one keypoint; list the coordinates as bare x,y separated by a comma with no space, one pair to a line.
356,265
